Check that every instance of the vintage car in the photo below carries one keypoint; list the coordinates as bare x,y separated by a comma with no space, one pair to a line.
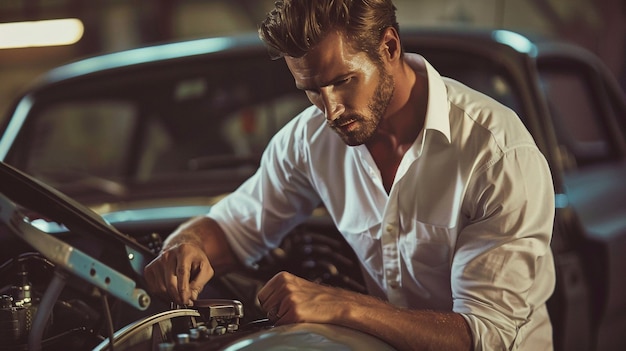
102,158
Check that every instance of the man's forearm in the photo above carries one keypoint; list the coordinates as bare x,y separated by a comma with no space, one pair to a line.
411,329
293,300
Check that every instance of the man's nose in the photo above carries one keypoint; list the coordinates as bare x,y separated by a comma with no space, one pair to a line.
333,108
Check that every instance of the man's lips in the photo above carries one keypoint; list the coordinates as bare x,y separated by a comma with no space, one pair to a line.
344,123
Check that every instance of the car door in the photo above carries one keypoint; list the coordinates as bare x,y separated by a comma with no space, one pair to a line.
588,112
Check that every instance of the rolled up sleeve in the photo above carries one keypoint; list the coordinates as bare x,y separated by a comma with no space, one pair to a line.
258,214
503,270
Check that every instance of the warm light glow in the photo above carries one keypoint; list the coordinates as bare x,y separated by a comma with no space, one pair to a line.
40,33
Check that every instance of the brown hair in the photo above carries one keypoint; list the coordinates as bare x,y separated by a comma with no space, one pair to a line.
293,27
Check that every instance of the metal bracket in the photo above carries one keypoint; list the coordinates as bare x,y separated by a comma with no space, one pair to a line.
73,260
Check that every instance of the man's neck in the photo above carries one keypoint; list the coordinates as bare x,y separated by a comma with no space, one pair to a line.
402,124
406,112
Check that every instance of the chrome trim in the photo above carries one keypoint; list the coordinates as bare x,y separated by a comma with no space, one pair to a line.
14,126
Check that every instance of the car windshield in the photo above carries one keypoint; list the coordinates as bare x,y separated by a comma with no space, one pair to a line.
190,133
161,124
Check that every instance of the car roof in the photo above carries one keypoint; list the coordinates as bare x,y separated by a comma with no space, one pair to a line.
198,49
153,54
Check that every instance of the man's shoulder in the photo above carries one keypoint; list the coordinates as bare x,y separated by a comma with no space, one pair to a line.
480,107
473,101
477,114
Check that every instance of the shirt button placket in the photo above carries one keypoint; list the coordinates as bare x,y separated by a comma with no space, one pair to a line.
391,262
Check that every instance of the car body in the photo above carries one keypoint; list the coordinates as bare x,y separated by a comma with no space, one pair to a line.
150,137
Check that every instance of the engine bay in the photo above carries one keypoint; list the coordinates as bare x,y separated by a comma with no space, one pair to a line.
71,280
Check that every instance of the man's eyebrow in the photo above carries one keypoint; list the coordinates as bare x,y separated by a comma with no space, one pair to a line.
325,84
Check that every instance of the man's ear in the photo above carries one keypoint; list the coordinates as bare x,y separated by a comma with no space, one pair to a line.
390,44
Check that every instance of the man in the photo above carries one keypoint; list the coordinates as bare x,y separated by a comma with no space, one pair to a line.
440,190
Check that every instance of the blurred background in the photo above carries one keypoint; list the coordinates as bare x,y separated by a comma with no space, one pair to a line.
113,25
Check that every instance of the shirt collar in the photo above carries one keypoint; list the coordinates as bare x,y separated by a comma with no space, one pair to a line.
437,110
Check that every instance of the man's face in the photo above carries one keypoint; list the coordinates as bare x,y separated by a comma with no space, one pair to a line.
351,90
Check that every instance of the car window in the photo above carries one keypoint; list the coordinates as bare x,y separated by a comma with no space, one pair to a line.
72,139
579,112
160,121
220,117
190,135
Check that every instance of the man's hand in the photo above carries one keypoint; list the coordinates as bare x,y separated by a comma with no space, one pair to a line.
290,299
180,272
182,268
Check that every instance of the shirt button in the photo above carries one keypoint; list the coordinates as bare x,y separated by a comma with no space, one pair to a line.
389,228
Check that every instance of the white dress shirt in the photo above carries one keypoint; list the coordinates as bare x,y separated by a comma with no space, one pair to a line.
466,226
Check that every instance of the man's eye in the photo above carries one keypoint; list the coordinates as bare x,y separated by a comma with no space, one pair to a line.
342,82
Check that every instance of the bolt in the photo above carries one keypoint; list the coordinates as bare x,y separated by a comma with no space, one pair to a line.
144,300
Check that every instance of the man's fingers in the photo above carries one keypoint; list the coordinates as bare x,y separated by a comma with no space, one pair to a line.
192,274
171,283
151,278
183,273
180,272
157,279
201,275
270,288
273,294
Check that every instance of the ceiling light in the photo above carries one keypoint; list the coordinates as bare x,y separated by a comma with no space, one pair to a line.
40,33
